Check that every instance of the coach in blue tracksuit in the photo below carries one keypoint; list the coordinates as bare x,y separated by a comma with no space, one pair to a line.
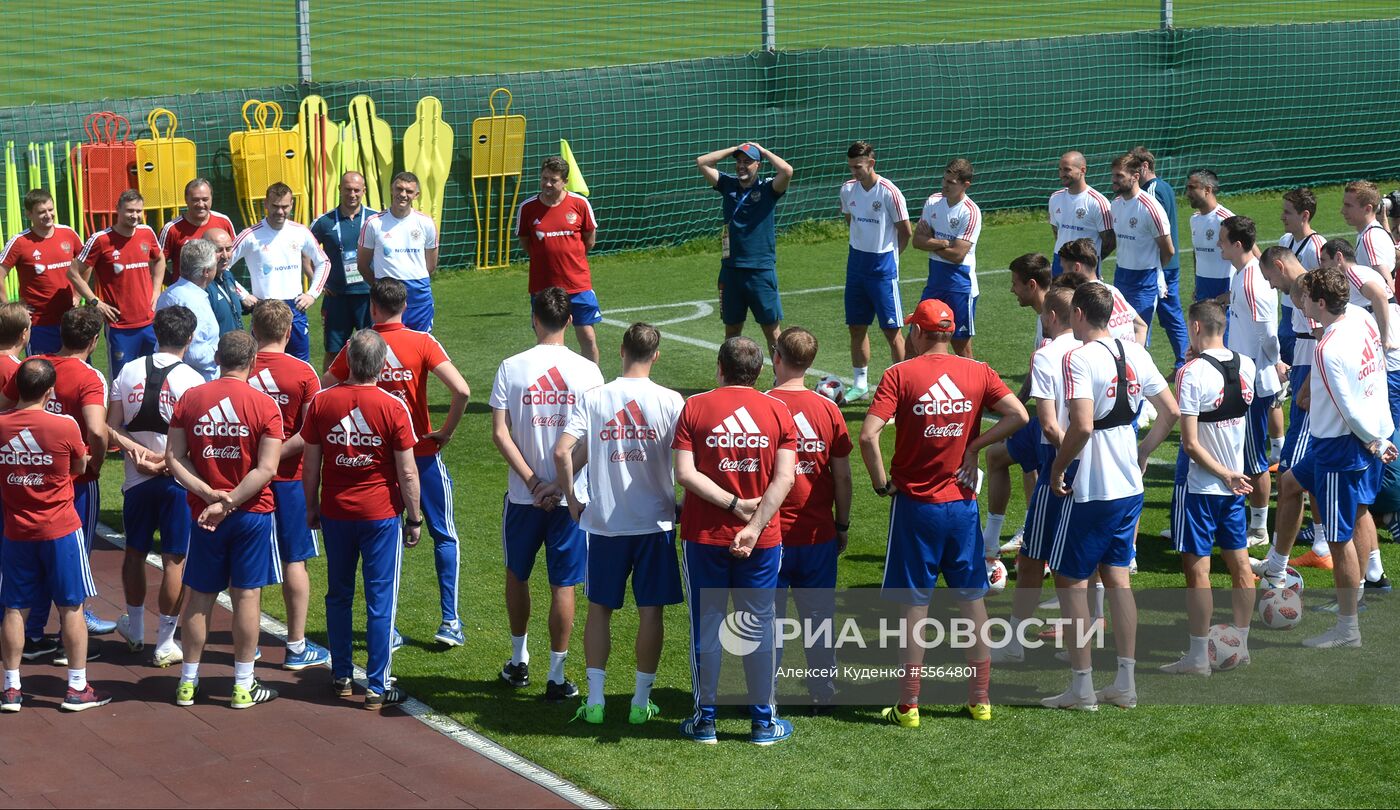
346,305
1169,312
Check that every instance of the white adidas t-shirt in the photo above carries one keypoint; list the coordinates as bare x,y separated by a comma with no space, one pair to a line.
1205,234
274,257
1199,387
875,215
1085,215
1048,373
539,388
1253,320
129,388
628,425
400,245
1108,464
1357,278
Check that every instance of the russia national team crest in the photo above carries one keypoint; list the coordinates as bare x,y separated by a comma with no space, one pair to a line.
67,246
416,235
571,218
1080,213
1210,234
1132,223
876,206
955,222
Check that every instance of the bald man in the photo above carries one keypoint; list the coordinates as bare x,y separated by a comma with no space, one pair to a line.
1077,211
346,305
226,296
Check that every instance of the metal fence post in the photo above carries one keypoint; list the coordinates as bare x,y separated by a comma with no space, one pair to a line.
1166,14
769,24
304,41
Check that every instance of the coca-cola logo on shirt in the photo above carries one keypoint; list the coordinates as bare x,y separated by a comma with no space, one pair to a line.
628,456
806,468
26,480
549,420
230,452
948,431
343,460
743,465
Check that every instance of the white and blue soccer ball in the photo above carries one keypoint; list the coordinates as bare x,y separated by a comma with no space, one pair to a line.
832,388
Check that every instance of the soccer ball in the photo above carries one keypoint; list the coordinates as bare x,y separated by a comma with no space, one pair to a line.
833,389
1280,609
1292,580
1224,647
996,576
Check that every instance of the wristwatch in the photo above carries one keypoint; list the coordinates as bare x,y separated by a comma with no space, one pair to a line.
412,524
886,490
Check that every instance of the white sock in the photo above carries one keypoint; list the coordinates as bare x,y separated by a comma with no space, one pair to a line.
165,630
556,665
1081,682
1374,569
1348,623
642,695
1275,563
1243,631
1124,682
11,679
136,616
1013,640
595,685
1320,547
77,679
991,535
518,653
1199,645
1275,447
862,376
297,647
1258,517
189,672
1096,609
243,673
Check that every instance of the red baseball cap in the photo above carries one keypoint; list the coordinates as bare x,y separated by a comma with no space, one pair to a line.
932,315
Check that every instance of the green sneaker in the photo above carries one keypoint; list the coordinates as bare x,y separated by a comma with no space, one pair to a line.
640,714
856,393
590,713
250,696
185,693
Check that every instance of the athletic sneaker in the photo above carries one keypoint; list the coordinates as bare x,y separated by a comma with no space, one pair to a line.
1336,637
89,698
1014,544
168,656
980,711
35,648
314,655
96,625
1132,566
450,634
856,393
517,675
393,696
250,696
1186,666
1305,534
1381,585
909,719
396,641
774,732
1165,534
1111,694
1312,560
1392,524
1069,700
559,692
590,713
60,658
1053,603
186,692
11,700
1257,537
343,687
701,731
1332,607
135,642
638,715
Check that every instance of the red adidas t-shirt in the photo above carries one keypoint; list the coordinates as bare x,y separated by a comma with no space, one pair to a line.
36,462
735,434
178,231
937,402
76,385
554,236
291,383
224,421
359,428
8,366
806,516
411,359
123,268
43,272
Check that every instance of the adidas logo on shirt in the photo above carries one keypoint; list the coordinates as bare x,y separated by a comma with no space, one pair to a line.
394,370
737,430
263,382
549,389
23,451
629,423
354,431
807,439
942,398
221,421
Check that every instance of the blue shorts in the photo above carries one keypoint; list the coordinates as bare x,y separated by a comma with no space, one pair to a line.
295,540
87,500
44,340
964,306
1200,522
241,552
159,503
1295,439
44,569
1338,494
124,345
1392,380
1256,435
343,314
928,539
525,528
1212,288
418,311
299,344
1286,337
1024,445
812,565
1103,535
1139,289
1047,511
872,290
649,559
742,290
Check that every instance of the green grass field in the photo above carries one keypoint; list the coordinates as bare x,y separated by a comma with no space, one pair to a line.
170,48
1271,755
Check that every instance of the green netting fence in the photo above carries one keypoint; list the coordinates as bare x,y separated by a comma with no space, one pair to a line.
1267,94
